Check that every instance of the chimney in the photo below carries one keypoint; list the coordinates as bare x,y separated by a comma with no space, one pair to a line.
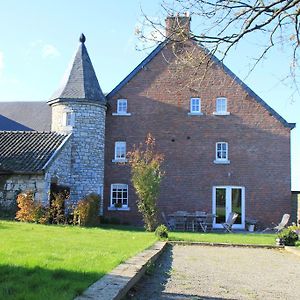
178,27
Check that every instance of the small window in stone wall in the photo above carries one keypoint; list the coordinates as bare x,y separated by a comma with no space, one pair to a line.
69,119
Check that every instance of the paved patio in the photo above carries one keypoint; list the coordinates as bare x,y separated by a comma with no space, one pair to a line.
203,272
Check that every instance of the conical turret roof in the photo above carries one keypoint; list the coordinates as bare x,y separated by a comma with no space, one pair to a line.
80,82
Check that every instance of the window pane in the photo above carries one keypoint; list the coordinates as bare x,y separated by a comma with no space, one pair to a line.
236,198
122,106
195,105
119,194
221,105
220,205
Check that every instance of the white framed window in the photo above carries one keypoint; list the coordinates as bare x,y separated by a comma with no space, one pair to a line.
68,119
120,152
221,106
121,108
118,196
195,106
221,153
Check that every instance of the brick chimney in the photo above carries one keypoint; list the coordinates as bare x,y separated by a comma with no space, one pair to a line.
178,27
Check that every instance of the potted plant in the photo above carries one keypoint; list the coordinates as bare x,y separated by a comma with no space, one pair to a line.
118,205
251,224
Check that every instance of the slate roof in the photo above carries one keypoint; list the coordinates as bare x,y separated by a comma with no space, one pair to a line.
80,81
161,46
26,152
25,116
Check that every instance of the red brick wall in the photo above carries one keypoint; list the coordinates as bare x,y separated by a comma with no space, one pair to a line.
259,145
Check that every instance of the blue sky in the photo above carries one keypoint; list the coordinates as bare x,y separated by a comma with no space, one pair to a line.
38,39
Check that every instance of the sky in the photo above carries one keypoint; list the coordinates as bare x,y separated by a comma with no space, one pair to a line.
39,38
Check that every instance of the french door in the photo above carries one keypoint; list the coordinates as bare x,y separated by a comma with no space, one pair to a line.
227,199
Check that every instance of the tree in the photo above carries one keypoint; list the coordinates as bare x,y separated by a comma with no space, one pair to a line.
146,178
224,24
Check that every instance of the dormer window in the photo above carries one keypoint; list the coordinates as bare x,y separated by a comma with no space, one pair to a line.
195,106
121,108
221,106
68,119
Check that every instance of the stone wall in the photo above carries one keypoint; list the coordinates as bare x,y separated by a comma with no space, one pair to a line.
87,145
12,185
59,169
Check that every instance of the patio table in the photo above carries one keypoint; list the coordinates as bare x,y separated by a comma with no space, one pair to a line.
193,221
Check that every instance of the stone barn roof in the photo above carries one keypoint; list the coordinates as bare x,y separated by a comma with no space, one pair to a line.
27,152
34,115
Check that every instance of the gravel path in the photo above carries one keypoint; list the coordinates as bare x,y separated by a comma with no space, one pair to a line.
199,272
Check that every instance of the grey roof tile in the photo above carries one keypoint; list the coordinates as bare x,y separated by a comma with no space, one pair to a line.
27,151
80,81
25,116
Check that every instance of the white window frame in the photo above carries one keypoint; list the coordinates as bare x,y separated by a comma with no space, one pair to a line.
118,158
221,108
222,160
68,119
229,205
121,104
193,111
122,187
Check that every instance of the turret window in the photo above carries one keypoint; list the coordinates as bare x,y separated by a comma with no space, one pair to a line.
121,108
68,119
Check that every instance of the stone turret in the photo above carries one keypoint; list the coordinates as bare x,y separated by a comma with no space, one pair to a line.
79,107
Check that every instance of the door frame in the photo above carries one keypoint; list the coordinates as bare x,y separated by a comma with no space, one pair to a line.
229,204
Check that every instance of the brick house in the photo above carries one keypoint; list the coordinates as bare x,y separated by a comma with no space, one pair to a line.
225,149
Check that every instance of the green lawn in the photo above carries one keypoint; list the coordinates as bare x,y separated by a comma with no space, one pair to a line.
60,262
232,238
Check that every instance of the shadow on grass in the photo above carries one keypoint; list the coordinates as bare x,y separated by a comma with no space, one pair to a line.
39,283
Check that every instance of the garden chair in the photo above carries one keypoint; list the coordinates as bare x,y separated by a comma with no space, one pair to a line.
169,223
180,220
200,219
230,221
281,225
209,222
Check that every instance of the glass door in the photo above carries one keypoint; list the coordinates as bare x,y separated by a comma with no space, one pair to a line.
227,199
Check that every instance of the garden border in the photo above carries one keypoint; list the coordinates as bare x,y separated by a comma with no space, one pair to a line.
116,284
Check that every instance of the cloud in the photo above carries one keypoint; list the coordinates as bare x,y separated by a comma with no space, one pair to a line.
42,49
49,50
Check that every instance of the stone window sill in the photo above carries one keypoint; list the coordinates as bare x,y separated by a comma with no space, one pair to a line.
195,114
119,160
112,208
226,113
121,115
221,162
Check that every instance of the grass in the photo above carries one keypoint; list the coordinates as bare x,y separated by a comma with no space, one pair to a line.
60,262
232,238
